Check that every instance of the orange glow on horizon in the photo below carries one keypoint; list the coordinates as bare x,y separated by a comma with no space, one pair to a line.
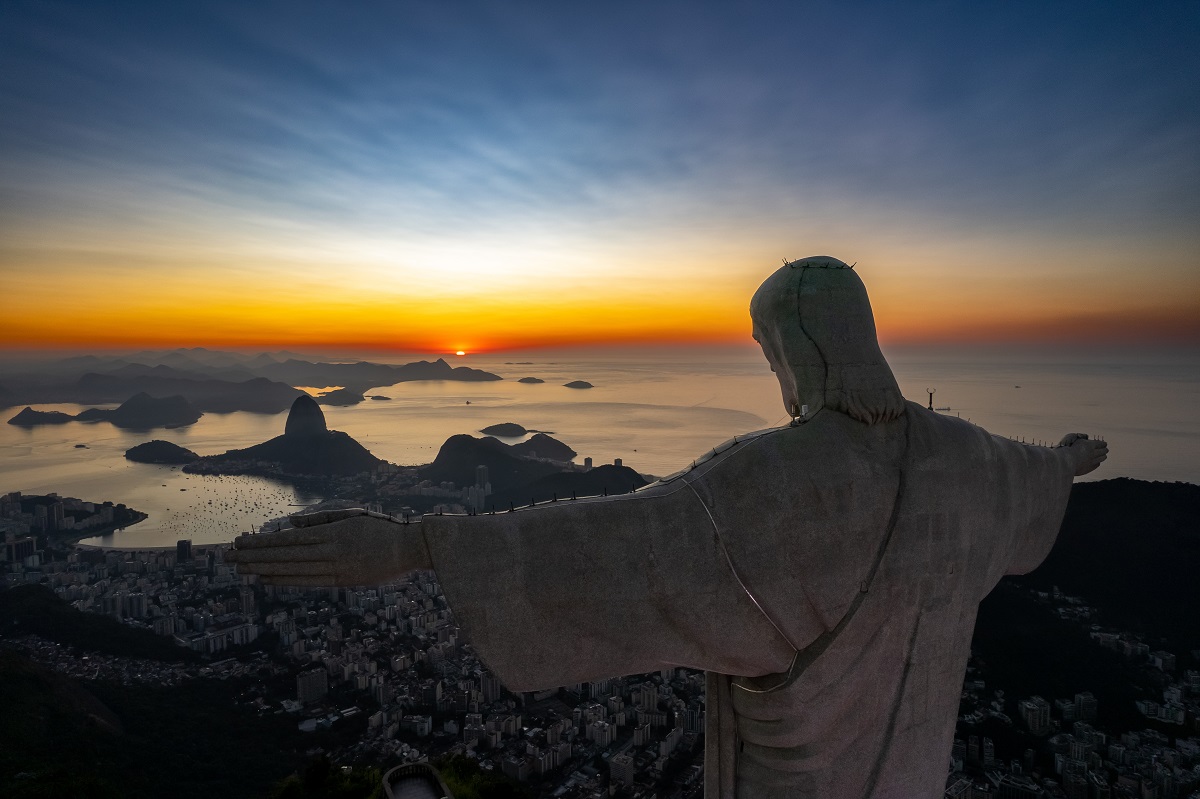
636,302
569,328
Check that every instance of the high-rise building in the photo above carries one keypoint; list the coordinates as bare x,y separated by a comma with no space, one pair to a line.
475,497
622,769
183,550
958,751
1085,706
1035,712
311,685
137,605
246,596
17,548
1018,786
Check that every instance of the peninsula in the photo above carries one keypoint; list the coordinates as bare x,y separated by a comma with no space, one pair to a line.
37,521
31,418
307,448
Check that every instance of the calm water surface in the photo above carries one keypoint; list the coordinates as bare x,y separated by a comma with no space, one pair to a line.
656,413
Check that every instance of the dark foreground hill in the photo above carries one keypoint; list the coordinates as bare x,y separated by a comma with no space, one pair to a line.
35,610
544,446
63,737
1128,549
1132,548
459,455
60,737
50,732
596,482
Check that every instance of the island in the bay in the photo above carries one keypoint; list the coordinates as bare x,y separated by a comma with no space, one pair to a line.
468,474
505,430
160,452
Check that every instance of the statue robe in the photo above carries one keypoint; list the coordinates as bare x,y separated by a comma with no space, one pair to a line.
826,576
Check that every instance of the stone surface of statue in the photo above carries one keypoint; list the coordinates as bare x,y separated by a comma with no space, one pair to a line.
825,575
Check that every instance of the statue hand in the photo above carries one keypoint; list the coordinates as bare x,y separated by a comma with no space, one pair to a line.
1088,454
333,548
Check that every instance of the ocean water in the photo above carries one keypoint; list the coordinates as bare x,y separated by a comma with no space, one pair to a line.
656,412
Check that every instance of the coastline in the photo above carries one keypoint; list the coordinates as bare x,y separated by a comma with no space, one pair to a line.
75,536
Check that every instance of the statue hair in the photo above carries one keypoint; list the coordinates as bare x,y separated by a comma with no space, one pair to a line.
814,315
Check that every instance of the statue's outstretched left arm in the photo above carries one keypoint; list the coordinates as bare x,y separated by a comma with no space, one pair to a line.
1036,484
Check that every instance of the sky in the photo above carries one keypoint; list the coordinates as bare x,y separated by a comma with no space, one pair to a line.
430,176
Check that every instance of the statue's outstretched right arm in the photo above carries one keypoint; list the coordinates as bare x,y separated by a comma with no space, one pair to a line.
577,590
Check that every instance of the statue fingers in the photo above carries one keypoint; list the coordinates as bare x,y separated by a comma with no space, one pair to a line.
326,516
281,538
301,581
385,517
296,553
289,568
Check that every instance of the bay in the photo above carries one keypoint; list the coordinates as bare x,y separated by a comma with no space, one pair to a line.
656,411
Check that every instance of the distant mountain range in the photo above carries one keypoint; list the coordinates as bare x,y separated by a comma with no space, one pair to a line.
218,382
363,375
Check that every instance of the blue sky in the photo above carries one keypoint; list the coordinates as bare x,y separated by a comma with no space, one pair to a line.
633,141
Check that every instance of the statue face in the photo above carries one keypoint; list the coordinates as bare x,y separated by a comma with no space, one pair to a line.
794,359
780,366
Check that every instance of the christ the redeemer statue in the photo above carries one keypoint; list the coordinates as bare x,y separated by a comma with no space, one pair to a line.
825,574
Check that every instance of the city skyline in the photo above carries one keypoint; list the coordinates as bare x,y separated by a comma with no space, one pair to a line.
487,178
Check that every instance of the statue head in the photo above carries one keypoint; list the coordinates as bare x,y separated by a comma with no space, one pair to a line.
814,323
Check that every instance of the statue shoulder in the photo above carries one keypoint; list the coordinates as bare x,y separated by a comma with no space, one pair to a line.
801,513
933,435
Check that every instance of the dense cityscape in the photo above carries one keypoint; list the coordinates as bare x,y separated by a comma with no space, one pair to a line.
388,666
